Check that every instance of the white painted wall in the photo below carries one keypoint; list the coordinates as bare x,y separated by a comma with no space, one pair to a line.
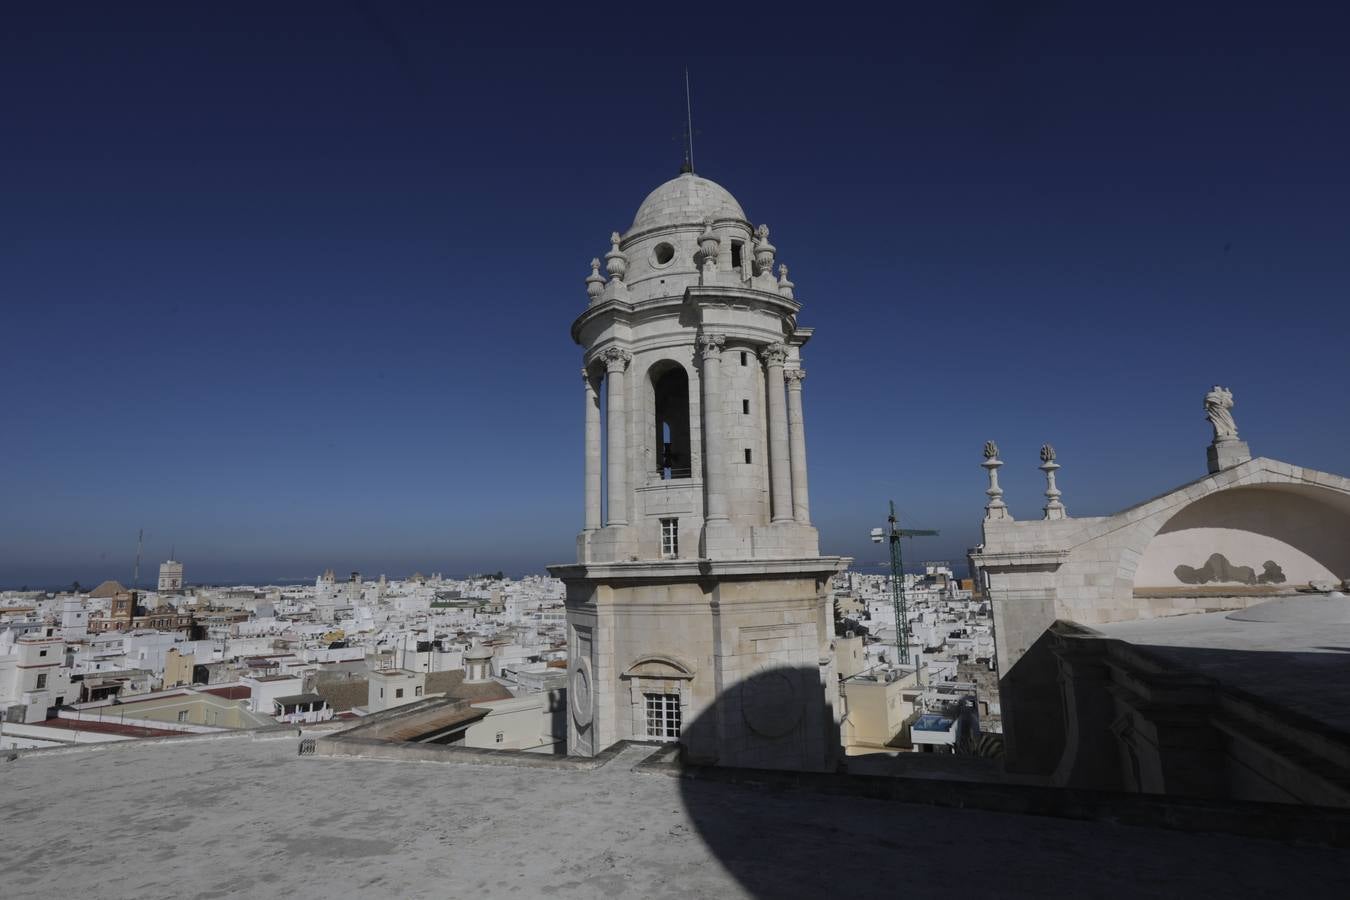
1306,538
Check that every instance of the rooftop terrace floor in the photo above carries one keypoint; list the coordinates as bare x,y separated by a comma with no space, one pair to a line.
249,818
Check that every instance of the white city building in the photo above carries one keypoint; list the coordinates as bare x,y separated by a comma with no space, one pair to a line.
170,577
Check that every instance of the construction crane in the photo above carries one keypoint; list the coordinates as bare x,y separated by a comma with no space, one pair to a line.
894,534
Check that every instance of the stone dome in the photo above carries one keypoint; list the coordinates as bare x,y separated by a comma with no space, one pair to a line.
685,200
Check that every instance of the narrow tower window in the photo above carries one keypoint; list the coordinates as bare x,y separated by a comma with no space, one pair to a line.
743,359
745,407
670,538
747,455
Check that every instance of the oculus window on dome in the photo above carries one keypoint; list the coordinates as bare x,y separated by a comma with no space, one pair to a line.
662,254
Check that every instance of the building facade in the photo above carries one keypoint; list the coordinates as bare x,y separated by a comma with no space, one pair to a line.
171,577
698,609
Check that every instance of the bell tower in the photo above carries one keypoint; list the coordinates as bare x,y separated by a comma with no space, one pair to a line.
699,607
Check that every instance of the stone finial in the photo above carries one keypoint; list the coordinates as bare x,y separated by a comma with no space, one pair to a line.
1218,409
595,282
1054,509
616,264
784,286
710,244
1226,450
996,508
764,251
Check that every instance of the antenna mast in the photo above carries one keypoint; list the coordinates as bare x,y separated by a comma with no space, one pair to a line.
688,123
136,573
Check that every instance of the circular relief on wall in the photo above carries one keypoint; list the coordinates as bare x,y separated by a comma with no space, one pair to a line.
580,692
771,703
662,254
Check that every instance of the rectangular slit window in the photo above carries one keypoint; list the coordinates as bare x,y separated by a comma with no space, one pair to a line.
670,538
743,360
663,716
745,407
747,456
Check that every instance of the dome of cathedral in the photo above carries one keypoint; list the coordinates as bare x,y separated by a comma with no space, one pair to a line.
685,200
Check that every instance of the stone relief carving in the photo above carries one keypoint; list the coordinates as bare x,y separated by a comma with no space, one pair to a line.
770,702
616,358
711,344
774,354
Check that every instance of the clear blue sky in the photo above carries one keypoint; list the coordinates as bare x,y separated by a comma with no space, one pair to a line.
289,285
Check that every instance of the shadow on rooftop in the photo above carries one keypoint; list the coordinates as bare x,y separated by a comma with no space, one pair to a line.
788,833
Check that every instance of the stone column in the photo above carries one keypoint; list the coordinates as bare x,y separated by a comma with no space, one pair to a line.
714,435
801,501
616,361
780,476
592,453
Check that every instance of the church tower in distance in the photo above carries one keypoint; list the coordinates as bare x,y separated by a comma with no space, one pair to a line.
699,605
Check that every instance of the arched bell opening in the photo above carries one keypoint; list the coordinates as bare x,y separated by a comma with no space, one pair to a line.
670,391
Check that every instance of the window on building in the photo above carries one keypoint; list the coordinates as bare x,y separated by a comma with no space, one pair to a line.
670,538
500,737
747,456
417,691
381,693
398,693
745,407
736,253
663,716
42,681
182,715
744,358
42,653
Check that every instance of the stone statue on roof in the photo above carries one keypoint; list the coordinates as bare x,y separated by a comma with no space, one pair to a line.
1218,407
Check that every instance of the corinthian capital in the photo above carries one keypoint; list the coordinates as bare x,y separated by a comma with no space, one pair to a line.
616,359
710,345
774,354
794,378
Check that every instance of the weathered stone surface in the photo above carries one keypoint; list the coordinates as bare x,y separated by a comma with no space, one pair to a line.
222,825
